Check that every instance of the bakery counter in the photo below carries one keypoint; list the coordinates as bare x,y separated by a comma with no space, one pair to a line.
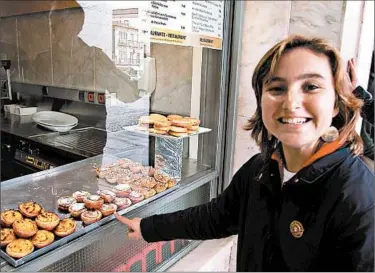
48,186
24,126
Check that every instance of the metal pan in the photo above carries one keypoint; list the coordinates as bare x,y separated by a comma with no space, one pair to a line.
81,230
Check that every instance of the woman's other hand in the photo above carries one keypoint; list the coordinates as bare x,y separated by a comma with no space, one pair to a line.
353,73
134,226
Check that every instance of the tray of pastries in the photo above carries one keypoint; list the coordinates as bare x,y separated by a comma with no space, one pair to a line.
171,126
30,231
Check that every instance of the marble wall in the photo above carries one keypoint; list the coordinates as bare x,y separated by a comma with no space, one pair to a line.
265,23
318,18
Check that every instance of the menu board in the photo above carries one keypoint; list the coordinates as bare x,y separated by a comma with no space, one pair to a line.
193,23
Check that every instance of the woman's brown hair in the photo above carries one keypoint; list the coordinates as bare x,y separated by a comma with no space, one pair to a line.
349,106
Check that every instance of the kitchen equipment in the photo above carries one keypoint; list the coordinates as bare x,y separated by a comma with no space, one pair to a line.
55,121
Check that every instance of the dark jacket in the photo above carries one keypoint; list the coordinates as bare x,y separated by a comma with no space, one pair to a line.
332,199
367,130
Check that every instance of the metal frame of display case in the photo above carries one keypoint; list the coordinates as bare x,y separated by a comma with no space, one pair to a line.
214,179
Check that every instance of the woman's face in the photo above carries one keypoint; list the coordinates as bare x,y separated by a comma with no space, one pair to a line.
298,104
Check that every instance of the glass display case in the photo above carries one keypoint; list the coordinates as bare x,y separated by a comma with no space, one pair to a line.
148,83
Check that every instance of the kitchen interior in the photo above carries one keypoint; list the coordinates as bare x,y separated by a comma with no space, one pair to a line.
74,88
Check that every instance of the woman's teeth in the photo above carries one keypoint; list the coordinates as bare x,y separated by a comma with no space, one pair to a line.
293,120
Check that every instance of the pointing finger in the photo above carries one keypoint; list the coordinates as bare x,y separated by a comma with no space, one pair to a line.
123,219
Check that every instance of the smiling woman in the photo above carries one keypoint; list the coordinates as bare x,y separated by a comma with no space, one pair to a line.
302,93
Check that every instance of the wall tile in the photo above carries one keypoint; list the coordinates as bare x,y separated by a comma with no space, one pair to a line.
318,18
173,82
8,46
245,146
72,58
265,23
34,40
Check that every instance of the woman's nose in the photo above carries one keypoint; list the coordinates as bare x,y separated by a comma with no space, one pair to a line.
292,101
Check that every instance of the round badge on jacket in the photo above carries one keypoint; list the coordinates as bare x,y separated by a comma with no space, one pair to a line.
296,228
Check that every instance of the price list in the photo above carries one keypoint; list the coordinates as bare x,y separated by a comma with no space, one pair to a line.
193,23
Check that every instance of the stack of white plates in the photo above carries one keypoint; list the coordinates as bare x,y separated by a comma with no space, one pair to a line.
55,121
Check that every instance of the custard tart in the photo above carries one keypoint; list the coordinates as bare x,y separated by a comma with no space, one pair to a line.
66,227
47,220
25,228
43,238
30,209
19,248
7,236
9,216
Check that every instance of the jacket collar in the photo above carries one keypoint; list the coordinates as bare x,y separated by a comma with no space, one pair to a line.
328,156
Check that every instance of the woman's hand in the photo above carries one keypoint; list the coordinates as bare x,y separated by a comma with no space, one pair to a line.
353,73
134,226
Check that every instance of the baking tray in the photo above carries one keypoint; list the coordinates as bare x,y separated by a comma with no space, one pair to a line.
70,177
141,131
81,230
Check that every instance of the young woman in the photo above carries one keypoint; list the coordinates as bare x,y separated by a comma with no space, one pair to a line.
305,203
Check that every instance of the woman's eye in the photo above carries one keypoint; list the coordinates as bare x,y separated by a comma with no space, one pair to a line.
310,87
277,89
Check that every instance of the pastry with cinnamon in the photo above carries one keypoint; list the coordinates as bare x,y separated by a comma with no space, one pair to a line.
7,236
108,209
148,171
171,183
125,162
9,216
149,193
91,216
47,220
65,202
24,228
19,248
136,196
93,202
43,238
107,195
161,176
122,190
135,167
66,227
111,177
148,182
80,195
30,209
160,187
76,209
122,203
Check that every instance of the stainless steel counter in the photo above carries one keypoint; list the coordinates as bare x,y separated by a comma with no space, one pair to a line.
24,126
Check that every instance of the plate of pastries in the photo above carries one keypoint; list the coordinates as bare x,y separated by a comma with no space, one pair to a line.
31,227
143,181
171,125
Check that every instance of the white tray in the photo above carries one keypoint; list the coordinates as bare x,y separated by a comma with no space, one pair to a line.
138,130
